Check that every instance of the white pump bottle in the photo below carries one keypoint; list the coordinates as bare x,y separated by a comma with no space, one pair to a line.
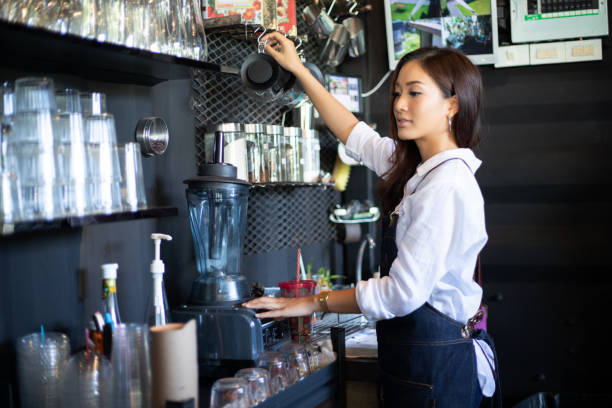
158,313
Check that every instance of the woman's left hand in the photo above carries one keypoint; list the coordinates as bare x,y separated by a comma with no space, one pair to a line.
283,307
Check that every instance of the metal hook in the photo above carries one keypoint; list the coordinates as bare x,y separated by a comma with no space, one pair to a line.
331,7
260,45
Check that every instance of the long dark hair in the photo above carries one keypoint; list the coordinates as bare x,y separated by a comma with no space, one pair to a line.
454,74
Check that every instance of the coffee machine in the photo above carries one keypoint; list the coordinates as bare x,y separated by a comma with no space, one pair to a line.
230,337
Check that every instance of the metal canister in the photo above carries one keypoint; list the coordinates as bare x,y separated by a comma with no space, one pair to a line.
293,154
274,153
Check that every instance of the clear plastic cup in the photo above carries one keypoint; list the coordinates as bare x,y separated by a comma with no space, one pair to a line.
104,171
40,366
276,364
231,392
297,360
7,102
34,94
131,366
301,327
71,161
259,383
68,101
87,381
132,183
93,103
10,197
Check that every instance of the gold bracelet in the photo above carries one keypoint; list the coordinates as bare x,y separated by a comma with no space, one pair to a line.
322,298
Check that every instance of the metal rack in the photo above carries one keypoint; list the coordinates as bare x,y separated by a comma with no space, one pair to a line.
351,323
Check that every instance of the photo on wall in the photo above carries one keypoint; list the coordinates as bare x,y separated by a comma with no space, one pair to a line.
461,24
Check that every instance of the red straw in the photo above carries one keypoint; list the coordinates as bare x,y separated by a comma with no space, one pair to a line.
297,274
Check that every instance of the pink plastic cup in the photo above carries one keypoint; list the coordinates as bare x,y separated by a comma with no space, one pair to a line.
301,327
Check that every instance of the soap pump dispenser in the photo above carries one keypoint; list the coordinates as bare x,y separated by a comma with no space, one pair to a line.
158,313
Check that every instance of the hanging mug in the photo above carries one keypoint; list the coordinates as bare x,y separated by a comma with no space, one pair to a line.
318,20
261,74
355,28
336,46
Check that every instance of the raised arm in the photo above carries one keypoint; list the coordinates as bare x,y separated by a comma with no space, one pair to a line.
337,118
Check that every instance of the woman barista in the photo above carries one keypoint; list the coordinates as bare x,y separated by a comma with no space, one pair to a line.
435,230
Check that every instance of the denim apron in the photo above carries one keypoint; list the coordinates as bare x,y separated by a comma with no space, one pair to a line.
426,359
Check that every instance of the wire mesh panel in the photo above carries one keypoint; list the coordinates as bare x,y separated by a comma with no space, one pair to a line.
221,97
279,215
289,215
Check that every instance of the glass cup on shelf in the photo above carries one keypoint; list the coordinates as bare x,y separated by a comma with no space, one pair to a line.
10,197
102,156
132,181
30,155
92,103
34,94
135,24
258,380
70,154
230,392
276,364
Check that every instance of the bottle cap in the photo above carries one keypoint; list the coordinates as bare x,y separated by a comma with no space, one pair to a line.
109,271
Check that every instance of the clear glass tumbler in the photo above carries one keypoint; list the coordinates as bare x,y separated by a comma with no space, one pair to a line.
276,364
132,181
297,359
231,392
104,171
259,383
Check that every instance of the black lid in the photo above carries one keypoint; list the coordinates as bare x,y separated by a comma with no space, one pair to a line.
216,173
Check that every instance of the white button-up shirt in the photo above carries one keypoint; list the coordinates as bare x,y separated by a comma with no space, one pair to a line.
440,232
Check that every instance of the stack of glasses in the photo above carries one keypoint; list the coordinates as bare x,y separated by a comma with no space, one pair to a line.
166,26
60,156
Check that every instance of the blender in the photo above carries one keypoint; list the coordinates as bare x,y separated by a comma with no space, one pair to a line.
229,336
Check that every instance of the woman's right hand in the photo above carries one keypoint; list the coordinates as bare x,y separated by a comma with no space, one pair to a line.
283,51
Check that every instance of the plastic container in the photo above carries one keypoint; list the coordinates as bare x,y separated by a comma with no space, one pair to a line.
301,327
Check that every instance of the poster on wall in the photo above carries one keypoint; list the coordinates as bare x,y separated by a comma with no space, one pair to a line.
460,24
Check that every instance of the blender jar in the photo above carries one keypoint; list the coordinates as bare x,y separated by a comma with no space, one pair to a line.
217,203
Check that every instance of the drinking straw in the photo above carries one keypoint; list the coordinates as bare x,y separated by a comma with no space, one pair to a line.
42,333
304,277
297,274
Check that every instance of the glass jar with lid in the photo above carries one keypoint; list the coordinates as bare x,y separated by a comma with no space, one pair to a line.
311,148
255,134
273,152
234,146
293,154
